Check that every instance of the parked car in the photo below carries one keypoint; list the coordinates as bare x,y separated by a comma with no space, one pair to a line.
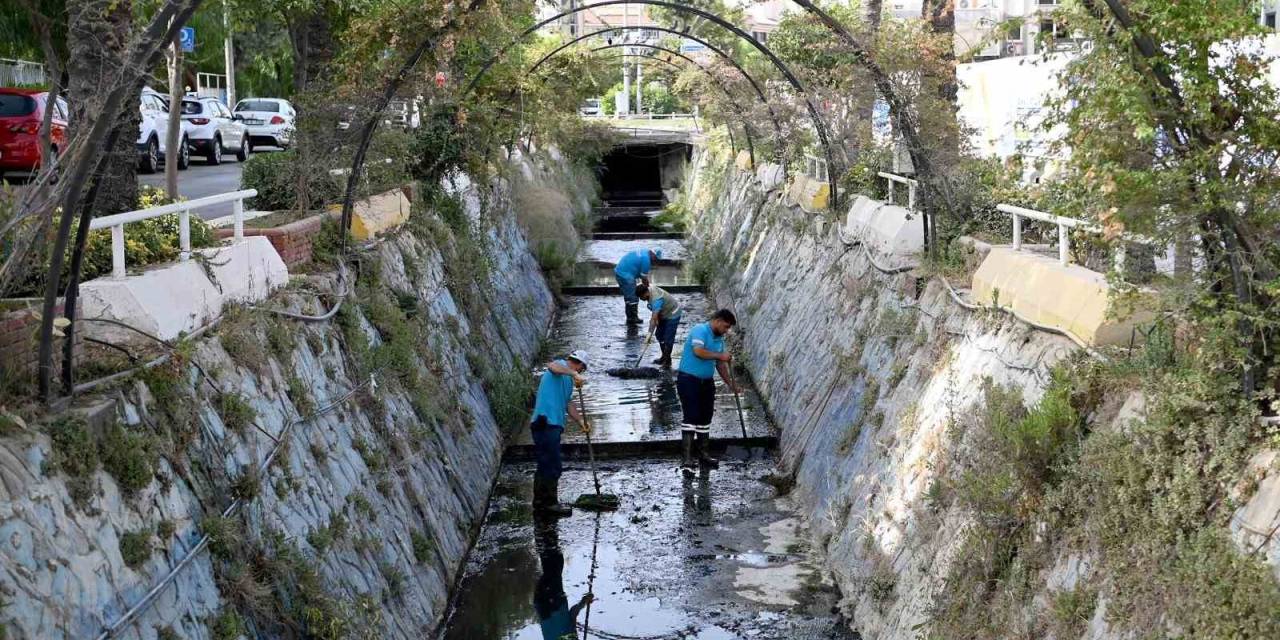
590,107
152,131
269,120
21,114
214,131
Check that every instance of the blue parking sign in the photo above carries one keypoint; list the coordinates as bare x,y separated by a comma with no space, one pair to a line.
187,39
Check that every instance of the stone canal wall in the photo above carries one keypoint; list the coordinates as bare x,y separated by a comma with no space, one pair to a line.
865,372
378,431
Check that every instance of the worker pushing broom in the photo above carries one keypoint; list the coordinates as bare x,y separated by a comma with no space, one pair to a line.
704,354
634,266
555,401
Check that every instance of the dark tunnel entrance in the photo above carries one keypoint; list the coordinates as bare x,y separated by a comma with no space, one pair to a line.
636,180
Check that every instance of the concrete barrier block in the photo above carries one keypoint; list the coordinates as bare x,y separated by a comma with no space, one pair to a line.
885,228
379,214
178,298
816,195
799,184
743,160
164,302
1070,298
247,271
770,175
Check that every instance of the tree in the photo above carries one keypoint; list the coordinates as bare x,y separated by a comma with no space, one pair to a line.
1172,124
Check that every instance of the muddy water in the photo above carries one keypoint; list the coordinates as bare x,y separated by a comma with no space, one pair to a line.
601,275
634,410
713,558
613,250
717,557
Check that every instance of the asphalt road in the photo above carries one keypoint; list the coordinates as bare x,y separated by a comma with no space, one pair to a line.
201,180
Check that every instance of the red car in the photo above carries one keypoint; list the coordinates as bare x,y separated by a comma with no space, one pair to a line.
21,112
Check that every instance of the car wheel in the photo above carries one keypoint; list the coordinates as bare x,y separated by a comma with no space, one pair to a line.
184,155
215,152
150,162
246,148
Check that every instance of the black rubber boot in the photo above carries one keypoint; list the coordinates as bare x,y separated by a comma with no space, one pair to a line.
687,467
546,500
665,359
704,457
633,313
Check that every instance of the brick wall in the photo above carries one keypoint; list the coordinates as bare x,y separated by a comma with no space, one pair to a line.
19,343
292,241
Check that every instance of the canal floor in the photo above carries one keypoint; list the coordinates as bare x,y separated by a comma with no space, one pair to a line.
716,557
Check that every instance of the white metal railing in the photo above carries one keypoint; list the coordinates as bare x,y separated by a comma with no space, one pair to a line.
892,179
117,222
816,167
641,116
1064,238
20,72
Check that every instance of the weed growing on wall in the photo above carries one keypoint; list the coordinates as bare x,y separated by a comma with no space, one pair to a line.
135,548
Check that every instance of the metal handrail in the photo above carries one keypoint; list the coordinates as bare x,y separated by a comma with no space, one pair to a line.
1064,239
117,222
816,167
892,179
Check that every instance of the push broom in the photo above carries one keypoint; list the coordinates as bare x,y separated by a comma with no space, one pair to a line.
597,501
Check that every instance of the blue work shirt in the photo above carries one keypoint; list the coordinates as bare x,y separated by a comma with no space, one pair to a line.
661,302
701,336
633,265
554,392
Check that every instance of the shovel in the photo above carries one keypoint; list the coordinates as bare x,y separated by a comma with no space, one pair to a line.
742,422
599,501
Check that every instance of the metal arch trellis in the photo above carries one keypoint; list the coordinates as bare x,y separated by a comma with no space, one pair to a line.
681,8
777,126
746,126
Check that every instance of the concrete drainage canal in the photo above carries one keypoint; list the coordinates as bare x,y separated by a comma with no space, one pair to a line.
717,556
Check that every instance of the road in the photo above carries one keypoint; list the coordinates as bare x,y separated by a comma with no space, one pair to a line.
201,180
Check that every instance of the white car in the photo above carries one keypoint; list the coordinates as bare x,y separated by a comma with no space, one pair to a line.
151,133
269,120
214,131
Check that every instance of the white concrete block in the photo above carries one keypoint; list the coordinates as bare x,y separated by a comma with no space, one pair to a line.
179,298
886,229
770,175
247,271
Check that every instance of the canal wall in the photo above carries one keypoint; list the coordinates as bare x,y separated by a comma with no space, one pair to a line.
352,452
866,372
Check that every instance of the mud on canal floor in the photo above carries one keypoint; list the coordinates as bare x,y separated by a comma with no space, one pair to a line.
714,557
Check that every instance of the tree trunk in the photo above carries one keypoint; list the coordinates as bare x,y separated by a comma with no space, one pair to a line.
173,130
98,34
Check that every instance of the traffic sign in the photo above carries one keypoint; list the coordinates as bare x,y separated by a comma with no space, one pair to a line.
187,39
690,46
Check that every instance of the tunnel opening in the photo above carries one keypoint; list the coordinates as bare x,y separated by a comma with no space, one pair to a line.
636,180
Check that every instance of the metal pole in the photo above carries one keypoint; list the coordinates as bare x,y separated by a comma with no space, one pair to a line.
184,235
1064,245
237,216
624,108
1017,232
117,251
229,55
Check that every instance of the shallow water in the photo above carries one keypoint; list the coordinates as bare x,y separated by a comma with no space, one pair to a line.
640,409
683,558
613,250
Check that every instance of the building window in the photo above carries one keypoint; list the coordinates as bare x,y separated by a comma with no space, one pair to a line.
760,36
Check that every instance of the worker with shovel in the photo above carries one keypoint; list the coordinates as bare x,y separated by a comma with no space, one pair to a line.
704,354
664,319
553,403
632,267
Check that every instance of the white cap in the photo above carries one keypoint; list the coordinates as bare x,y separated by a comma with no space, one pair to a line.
580,356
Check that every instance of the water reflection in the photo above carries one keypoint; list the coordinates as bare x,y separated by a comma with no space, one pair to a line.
556,619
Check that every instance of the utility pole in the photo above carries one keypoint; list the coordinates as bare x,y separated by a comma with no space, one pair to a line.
639,86
229,54
624,105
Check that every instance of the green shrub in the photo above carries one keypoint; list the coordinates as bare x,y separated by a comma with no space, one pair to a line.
235,411
130,458
422,546
285,182
135,548
227,625
75,453
674,215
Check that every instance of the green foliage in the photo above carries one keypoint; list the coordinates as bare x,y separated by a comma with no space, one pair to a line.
75,453
707,265
227,625
135,548
130,458
247,486
285,182
300,395
675,216
423,546
226,536
236,412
